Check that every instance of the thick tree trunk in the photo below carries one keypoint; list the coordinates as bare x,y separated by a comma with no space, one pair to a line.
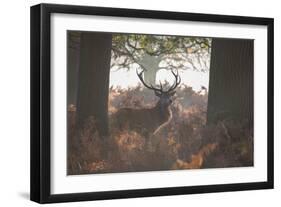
150,65
93,80
150,76
231,80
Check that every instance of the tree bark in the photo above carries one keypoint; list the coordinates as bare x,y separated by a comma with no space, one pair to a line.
93,80
231,80
151,66
150,76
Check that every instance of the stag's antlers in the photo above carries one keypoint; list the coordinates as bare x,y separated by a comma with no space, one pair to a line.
147,86
177,82
160,90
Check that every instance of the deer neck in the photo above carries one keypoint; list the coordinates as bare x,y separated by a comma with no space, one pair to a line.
163,111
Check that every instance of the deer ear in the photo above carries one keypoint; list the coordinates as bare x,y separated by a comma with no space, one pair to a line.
157,93
172,93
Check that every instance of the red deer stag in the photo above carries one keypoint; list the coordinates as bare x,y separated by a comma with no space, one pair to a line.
149,120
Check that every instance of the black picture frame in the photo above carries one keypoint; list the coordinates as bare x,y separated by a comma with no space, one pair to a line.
41,99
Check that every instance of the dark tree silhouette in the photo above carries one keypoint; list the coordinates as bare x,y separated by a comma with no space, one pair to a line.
93,79
231,80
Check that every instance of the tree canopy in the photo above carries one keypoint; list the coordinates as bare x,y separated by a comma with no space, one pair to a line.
167,52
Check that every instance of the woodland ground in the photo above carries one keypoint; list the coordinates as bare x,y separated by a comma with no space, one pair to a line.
185,143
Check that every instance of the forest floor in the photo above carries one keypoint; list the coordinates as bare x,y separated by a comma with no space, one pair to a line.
185,143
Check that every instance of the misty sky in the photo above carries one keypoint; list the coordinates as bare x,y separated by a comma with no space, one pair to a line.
124,78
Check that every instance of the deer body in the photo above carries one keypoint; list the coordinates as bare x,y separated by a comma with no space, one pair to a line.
145,120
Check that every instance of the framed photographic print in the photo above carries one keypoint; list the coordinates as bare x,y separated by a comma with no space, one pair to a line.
132,103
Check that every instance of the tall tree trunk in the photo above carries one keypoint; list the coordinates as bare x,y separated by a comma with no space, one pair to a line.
150,64
93,80
150,76
231,80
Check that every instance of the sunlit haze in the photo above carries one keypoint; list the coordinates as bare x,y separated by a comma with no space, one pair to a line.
124,79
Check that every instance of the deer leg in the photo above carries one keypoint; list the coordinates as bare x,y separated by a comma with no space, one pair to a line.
149,146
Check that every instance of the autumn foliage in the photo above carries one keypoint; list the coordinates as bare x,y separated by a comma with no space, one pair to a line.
186,142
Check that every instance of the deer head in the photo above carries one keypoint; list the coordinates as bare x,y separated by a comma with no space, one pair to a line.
165,97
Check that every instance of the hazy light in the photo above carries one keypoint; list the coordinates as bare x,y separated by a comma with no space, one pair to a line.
124,79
